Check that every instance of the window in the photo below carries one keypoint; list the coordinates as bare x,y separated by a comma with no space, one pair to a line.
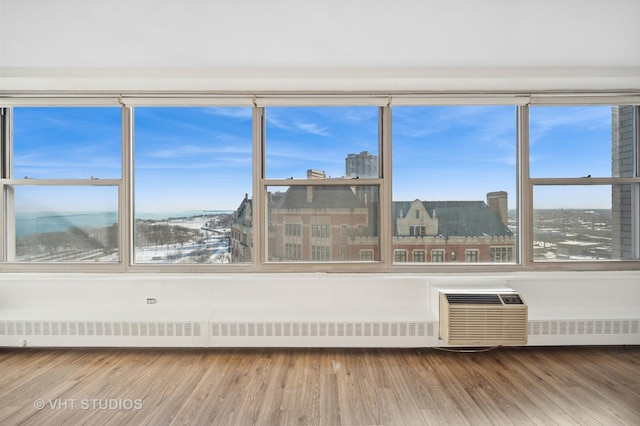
366,254
321,231
321,253
321,142
501,254
192,171
321,170
400,256
583,165
327,203
294,229
110,186
437,256
292,251
62,185
471,256
417,231
454,177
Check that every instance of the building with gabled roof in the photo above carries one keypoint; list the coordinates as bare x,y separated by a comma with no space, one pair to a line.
241,244
332,223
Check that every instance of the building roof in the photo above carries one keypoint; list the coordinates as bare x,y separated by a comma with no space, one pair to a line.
458,218
329,196
455,218
243,212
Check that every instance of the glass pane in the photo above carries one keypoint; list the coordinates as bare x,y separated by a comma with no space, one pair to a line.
192,176
579,141
322,223
336,141
63,223
67,143
582,222
454,184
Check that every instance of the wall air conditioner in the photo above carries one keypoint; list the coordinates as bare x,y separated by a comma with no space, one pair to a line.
487,319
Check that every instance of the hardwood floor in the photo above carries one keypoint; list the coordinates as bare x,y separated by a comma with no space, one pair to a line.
519,386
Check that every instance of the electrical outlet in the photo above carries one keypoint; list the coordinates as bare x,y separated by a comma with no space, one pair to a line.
151,301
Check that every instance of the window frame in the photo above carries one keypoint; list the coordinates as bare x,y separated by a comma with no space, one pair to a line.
8,182
419,253
523,252
529,183
262,183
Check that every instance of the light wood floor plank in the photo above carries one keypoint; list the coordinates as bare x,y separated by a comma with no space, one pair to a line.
505,386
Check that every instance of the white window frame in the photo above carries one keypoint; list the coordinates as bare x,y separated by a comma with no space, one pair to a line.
523,253
526,207
8,181
262,183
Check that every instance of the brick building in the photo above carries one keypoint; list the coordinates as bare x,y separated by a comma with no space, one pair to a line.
331,223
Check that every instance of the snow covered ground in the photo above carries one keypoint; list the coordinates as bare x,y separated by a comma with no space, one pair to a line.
211,247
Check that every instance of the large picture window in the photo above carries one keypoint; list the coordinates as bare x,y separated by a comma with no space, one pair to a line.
61,184
357,184
583,207
333,152
192,179
454,181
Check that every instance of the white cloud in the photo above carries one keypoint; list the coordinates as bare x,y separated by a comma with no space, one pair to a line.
312,128
242,113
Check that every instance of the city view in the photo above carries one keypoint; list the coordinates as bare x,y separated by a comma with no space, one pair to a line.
454,180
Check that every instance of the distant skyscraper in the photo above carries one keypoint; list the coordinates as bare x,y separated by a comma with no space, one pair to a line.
363,165
623,123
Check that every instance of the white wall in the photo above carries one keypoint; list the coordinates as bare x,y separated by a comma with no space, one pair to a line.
571,308
295,45
275,45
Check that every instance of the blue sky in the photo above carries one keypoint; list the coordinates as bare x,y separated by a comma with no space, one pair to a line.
200,158
453,153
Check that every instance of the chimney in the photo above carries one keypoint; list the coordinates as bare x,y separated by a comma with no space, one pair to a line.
313,174
497,202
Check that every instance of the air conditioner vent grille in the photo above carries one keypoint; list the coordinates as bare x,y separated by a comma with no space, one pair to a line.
473,299
483,319
483,299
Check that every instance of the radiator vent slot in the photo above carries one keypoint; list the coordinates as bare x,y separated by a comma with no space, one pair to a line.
483,319
100,328
322,329
584,327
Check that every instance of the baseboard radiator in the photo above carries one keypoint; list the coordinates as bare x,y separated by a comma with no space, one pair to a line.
483,319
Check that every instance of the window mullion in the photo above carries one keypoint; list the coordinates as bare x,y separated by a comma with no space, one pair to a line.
583,181
6,192
524,226
386,196
259,220
62,182
635,192
125,191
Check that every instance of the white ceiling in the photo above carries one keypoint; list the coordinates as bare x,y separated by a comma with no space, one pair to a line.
329,44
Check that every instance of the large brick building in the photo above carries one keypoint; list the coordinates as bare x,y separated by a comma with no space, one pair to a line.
332,223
